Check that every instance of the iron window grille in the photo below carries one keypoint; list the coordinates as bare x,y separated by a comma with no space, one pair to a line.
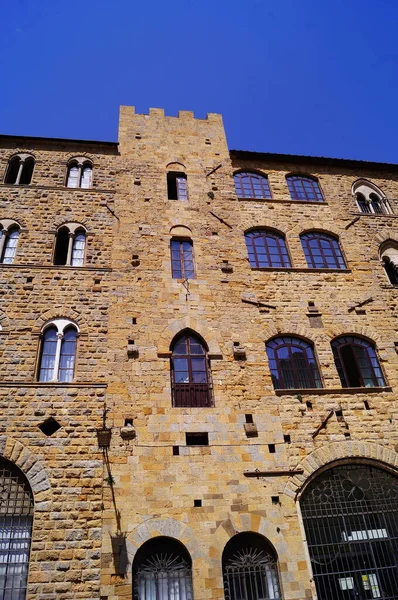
304,189
252,185
182,262
162,570
350,518
267,249
16,520
249,569
190,373
357,363
292,364
322,251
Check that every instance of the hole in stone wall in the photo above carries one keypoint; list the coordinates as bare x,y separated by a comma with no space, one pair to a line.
249,418
271,448
366,404
49,426
308,405
197,503
275,499
286,438
197,439
134,321
339,416
176,450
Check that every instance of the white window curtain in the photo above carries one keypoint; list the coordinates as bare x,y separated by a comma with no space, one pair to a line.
73,177
10,246
79,243
86,179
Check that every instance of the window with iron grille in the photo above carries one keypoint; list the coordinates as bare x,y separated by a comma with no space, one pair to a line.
16,519
252,185
250,569
356,362
162,570
190,372
322,251
20,170
177,186
58,352
350,515
182,263
305,189
267,249
292,363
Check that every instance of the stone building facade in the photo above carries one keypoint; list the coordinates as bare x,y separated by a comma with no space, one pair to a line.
273,278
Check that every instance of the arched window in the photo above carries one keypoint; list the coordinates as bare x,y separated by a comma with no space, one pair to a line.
356,362
389,259
350,515
190,372
292,363
80,173
9,234
182,263
177,186
16,520
162,570
251,185
70,245
322,251
304,188
370,198
58,352
267,248
250,569
20,170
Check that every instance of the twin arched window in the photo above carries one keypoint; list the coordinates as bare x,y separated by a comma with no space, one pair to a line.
293,364
190,372
58,352
20,170
70,245
370,198
80,174
267,248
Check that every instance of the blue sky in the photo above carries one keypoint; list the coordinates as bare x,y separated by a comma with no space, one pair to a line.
317,77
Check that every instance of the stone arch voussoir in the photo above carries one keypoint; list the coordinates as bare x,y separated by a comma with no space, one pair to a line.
352,329
174,327
337,451
60,312
385,236
290,328
29,464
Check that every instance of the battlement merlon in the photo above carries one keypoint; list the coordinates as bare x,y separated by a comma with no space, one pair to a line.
134,126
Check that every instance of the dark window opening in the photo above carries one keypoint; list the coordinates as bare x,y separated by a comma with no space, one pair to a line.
12,170
249,418
357,363
177,188
27,171
190,373
61,247
391,270
197,439
49,427
176,450
292,364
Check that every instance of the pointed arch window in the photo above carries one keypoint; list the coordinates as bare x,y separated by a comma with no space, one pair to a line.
370,198
58,352
357,363
80,174
250,569
70,245
190,372
9,234
16,520
252,185
350,516
20,170
322,251
162,570
267,248
292,363
304,189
